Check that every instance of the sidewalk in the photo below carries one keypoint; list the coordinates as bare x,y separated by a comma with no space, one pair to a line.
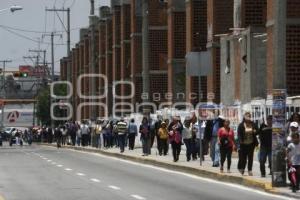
193,167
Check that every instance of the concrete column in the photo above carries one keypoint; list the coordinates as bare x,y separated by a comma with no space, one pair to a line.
276,56
237,15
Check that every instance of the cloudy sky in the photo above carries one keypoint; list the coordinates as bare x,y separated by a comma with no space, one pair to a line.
21,31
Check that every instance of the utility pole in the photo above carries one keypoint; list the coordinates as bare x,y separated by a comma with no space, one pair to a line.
31,58
38,51
4,90
145,46
52,35
68,36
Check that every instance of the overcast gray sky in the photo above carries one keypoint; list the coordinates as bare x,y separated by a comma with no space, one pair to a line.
16,37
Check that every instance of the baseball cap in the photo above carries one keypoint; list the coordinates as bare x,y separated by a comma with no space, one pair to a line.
221,117
294,124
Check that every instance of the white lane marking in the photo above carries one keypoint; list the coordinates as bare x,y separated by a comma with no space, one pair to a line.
59,165
49,160
187,175
68,169
80,174
45,158
114,187
53,163
95,180
138,197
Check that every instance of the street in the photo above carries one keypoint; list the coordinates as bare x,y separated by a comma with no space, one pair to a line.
46,173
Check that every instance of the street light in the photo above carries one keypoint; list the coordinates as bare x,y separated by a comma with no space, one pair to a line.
12,8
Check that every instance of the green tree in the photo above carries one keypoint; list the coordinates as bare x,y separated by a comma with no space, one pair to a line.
43,104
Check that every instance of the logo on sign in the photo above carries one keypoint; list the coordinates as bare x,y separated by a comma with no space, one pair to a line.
13,116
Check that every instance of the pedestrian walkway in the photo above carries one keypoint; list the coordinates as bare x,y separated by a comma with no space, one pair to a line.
193,167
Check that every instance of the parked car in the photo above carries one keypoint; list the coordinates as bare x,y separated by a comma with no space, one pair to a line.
7,133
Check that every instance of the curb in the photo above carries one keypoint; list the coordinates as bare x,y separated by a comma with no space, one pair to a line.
244,181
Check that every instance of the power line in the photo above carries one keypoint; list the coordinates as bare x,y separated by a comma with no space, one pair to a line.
28,38
35,31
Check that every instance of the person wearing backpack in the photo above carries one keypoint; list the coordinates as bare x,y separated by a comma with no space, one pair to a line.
132,133
226,142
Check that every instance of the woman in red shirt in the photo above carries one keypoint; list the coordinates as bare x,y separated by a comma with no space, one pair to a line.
226,142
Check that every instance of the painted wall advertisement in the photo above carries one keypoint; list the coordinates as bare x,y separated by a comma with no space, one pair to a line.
278,138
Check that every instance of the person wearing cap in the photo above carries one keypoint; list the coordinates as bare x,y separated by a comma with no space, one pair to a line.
247,132
294,128
294,118
265,138
163,139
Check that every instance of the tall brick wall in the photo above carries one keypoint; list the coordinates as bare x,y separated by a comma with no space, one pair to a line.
86,81
125,49
109,62
158,49
63,69
293,48
254,13
196,39
218,23
116,45
102,59
75,86
73,76
81,71
176,49
136,50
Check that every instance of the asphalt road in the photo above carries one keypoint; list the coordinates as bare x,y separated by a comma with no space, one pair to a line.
45,173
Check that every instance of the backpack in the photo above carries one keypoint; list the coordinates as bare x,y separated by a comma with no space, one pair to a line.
132,128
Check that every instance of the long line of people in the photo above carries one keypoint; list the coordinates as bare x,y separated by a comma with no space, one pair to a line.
216,137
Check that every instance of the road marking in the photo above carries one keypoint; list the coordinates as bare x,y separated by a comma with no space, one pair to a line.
68,169
114,187
53,163
95,180
59,165
187,175
80,174
49,160
45,158
137,197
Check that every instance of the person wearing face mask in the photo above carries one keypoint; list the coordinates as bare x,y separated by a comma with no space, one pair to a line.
247,132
